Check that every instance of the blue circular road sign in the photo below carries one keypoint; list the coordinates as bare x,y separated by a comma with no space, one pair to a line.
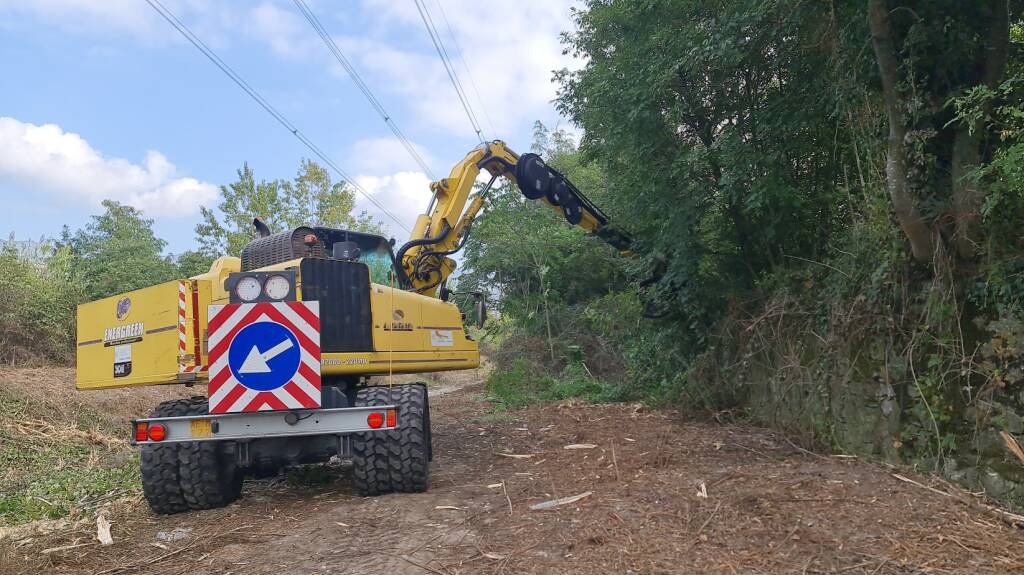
264,356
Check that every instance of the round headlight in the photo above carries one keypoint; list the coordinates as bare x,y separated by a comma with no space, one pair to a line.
248,288
277,287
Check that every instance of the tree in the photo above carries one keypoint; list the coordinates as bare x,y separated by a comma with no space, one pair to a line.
929,53
716,124
116,252
312,198
192,263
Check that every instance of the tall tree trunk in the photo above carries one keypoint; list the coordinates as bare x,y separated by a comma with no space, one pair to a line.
908,215
967,198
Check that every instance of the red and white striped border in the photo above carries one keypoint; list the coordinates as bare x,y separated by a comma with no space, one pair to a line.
182,339
227,394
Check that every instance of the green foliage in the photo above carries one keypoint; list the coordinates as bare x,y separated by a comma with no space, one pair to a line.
54,472
193,262
116,252
312,199
524,383
37,305
717,128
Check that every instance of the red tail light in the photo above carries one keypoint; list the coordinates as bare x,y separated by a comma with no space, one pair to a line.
375,420
141,431
157,432
392,418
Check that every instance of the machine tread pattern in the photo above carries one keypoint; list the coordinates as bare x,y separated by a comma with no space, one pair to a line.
161,482
396,460
208,477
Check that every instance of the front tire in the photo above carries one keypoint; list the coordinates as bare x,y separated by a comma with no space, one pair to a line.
397,460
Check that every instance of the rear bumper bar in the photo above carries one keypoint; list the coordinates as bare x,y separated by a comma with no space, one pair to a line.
260,424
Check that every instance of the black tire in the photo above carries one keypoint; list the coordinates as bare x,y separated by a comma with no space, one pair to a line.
395,461
207,470
161,482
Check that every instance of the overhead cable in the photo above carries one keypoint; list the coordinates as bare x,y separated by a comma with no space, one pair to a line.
255,95
358,80
465,65
435,37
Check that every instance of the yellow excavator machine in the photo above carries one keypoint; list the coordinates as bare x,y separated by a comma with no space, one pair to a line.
288,337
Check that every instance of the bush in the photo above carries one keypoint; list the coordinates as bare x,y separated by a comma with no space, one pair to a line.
37,306
524,383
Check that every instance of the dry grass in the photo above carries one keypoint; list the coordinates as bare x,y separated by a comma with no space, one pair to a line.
63,451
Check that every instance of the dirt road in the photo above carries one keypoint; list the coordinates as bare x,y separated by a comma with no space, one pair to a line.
664,497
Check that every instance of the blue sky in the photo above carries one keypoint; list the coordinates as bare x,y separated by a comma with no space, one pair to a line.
103,99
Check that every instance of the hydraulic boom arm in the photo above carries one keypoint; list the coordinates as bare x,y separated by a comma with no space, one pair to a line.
444,229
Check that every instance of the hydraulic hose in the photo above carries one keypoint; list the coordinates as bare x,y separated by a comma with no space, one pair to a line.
400,256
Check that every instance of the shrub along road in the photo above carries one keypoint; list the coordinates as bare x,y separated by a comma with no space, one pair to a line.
660,496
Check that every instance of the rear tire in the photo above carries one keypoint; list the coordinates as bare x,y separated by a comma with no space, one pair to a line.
397,460
196,475
161,483
209,474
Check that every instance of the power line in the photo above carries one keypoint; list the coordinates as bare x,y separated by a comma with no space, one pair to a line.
213,57
435,37
358,80
465,65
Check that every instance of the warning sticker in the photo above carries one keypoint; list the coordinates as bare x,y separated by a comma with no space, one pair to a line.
122,353
122,360
441,338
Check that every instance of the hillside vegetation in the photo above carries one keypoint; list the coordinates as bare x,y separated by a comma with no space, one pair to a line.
832,196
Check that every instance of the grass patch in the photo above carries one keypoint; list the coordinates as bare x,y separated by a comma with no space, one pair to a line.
51,471
523,383
49,481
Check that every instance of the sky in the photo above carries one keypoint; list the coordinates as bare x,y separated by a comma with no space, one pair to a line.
103,99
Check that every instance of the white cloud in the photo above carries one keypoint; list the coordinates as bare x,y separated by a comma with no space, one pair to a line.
286,33
512,63
103,19
403,194
47,159
82,15
385,156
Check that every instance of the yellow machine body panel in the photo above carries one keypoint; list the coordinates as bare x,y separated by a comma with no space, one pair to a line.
143,337
145,328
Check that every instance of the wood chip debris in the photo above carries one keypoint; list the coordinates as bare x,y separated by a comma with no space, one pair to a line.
495,485
517,455
103,530
580,446
560,501
63,548
448,507
493,556
703,493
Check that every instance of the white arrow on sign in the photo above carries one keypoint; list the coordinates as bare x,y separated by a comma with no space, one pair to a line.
256,362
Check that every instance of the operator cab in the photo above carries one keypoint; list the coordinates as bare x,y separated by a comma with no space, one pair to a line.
370,249
326,243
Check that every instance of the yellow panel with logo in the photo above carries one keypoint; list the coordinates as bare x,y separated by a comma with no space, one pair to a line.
143,337
158,335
